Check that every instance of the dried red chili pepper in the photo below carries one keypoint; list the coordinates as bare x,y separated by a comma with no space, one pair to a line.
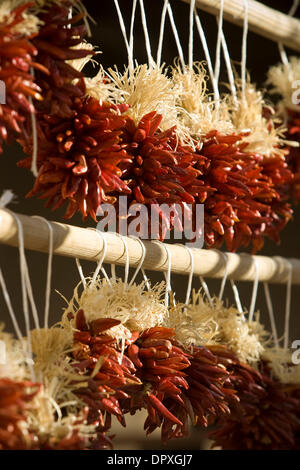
16,59
249,202
263,419
108,387
14,399
55,45
79,158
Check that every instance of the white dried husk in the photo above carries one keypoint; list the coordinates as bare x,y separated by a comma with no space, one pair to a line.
197,113
133,305
145,89
56,411
282,81
200,324
280,362
266,136
15,366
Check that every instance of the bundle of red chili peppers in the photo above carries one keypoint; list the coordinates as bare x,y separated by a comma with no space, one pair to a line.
203,386
90,152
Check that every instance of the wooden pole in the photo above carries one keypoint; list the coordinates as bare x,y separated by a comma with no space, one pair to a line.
263,20
83,243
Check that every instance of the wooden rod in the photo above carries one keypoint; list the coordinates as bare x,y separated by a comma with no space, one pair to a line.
83,243
263,20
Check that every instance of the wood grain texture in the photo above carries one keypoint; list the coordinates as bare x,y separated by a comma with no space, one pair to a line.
263,20
76,242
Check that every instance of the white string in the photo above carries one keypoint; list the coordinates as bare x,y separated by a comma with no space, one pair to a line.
288,306
176,36
206,290
223,283
141,262
82,277
161,32
237,298
244,48
207,56
218,46
168,273
34,169
191,33
254,291
229,67
101,260
282,51
23,288
271,314
147,283
131,37
49,272
10,308
190,281
146,34
123,29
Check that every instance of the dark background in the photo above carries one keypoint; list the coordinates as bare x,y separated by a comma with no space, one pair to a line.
107,36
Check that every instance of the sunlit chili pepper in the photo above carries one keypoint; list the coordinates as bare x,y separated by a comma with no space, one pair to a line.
79,158
16,59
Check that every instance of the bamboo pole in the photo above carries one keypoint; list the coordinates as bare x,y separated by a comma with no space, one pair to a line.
263,20
76,242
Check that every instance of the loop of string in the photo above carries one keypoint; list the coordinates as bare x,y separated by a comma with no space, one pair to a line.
288,306
244,48
146,34
206,290
271,314
24,289
237,298
49,271
223,283
207,56
191,33
123,30
141,262
10,309
230,73
168,273
191,274
282,51
254,292
131,37
161,32
102,258
80,271
218,46
176,35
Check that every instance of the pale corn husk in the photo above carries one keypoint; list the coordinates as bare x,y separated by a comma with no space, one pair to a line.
198,114
145,89
200,324
30,24
266,137
15,366
282,368
135,306
45,420
79,64
282,80
56,411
